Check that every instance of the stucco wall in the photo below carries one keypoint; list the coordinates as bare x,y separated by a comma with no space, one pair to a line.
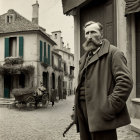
2,51
121,26
58,39
126,43
31,56
1,86
29,51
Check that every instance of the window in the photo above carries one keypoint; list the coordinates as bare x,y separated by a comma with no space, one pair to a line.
45,53
49,54
11,46
45,58
10,18
40,50
55,36
71,70
65,67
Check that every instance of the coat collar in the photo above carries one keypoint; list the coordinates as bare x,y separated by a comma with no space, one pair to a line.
103,50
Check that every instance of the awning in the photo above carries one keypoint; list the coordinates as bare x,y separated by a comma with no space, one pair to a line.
68,5
132,6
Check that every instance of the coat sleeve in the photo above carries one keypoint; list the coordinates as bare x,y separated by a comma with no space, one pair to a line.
123,82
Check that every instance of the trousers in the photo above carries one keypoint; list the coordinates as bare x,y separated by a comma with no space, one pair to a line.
85,134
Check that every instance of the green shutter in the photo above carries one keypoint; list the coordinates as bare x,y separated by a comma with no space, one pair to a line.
21,46
6,47
40,50
59,63
44,52
52,60
49,54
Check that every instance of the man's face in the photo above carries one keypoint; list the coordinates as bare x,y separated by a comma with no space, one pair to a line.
93,37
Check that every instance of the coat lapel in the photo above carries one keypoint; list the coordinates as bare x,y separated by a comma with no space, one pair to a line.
82,61
104,49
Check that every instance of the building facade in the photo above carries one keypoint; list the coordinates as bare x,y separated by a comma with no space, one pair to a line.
67,62
26,54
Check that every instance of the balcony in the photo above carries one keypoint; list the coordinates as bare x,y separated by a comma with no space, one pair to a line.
14,65
71,76
13,60
57,68
66,73
45,62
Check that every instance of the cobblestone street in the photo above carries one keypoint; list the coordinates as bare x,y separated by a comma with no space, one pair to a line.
45,123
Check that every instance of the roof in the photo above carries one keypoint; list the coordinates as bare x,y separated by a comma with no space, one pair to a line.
64,52
56,53
132,6
20,24
69,5
56,31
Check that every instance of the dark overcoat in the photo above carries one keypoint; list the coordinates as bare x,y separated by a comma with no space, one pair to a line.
108,84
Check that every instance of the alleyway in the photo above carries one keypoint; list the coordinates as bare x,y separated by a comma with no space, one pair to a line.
45,124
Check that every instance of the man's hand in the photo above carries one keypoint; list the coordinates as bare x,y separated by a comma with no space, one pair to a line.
73,114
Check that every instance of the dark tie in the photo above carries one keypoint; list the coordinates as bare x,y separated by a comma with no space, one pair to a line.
89,56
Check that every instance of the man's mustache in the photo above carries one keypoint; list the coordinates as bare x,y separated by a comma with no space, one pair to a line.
89,41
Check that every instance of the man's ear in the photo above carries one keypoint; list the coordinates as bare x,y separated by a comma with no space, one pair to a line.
102,34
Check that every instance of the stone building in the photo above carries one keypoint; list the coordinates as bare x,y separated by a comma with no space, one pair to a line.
26,54
121,21
67,61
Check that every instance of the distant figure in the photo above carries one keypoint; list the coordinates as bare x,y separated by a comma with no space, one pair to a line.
64,93
41,89
52,96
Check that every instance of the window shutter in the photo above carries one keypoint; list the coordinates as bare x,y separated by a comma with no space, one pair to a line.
21,46
40,50
45,52
49,54
59,62
52,60
6,47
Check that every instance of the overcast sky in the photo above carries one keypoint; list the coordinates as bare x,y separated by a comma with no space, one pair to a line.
51,16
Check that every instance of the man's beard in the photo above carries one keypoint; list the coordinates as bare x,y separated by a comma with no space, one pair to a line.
91,44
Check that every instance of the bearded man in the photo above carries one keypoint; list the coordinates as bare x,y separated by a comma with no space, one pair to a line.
104,85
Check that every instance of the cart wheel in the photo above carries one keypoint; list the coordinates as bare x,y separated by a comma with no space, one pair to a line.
30,102
45,100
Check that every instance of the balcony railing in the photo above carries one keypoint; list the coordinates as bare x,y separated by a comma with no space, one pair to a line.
71,76
57,68
45,62
13,60
16,69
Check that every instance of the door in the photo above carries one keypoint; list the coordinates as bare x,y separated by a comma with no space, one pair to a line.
103,12
59,88
137,21
7,86
45,80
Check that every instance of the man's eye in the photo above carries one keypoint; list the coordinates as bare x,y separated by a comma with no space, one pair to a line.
93,32
87,33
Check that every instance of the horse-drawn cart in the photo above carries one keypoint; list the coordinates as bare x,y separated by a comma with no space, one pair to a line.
29,97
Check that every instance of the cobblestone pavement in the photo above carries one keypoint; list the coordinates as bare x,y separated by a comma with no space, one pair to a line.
45,123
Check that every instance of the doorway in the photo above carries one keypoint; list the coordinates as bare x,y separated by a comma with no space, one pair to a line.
7,86
137,21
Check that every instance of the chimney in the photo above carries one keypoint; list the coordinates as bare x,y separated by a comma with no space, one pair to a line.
35,12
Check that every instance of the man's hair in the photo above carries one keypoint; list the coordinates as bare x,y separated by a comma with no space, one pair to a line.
92,22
